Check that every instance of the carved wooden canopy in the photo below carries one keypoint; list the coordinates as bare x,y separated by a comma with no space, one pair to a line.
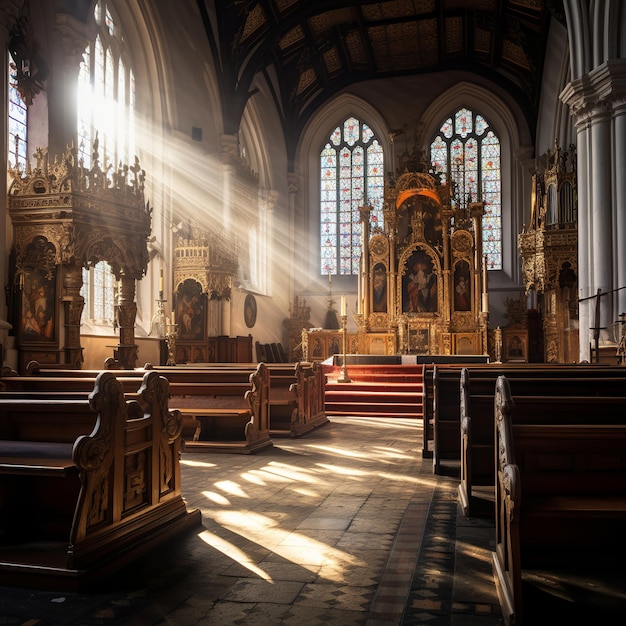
210,259
85,215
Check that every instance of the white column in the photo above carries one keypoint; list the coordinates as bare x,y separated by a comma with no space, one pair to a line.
619,137
585,308
601,210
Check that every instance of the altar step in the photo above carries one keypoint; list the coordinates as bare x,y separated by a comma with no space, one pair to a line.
375,391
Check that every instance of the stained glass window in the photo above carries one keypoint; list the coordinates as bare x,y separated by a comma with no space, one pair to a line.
18,124
466,152
351,175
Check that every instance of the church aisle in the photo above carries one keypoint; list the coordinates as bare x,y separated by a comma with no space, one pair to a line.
347,526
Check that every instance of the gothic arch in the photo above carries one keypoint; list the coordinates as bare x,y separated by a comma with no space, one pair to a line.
516,146
307,164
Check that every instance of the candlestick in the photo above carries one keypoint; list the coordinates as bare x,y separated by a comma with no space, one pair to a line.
343,373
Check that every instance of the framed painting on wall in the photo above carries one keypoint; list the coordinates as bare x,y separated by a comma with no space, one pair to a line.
419,289
249,311
515,346
190,306
38,314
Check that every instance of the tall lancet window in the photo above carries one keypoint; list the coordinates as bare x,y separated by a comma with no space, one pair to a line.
466,151
18,124
106,112
351,175
106,95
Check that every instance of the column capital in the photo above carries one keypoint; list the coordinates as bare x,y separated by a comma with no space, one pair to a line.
270,199
229,149
598,91
74,37
293,182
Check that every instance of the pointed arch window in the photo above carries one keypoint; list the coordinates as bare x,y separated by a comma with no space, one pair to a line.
106,110
106,95
18,124
466,152
351,175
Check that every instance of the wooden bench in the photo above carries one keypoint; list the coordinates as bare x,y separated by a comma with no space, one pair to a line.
560,502
223,409
88,485
428,387
296,390
446,415
477,480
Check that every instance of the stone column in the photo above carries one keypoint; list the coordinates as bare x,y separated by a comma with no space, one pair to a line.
585,288
596,102
70,37
619,123
601,210
293,187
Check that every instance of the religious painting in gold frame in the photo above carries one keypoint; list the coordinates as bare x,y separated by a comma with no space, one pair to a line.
190,311
420,284
38,311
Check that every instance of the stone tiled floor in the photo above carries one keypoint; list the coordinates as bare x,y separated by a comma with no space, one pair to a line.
346,526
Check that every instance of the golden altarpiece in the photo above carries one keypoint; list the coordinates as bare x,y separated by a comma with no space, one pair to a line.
422,286
549,250
67,217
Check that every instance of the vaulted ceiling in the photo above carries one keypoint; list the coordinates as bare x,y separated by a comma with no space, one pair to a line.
308,50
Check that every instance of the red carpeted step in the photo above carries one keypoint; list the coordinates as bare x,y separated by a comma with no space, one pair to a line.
376,391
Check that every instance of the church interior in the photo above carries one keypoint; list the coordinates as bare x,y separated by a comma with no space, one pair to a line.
317,309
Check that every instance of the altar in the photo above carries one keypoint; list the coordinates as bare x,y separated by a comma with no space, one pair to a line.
422,284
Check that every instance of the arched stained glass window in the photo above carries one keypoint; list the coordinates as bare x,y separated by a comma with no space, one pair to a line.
18,124
466,152
351,175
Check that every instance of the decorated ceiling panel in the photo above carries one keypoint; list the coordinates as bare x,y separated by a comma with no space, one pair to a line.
316,48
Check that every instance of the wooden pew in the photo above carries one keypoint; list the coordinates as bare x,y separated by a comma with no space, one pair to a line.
296,390
224,409
446,417
476,487
88,485
560,501
309,388
428,433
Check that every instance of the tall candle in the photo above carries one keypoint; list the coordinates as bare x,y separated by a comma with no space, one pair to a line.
161,281
173,318
343,305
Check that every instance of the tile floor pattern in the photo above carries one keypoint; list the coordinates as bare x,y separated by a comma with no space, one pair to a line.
346,526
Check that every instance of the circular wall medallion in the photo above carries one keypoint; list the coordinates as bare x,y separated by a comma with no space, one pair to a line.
249,310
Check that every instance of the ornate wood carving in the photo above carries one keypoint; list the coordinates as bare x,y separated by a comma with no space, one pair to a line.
65,215
549,251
